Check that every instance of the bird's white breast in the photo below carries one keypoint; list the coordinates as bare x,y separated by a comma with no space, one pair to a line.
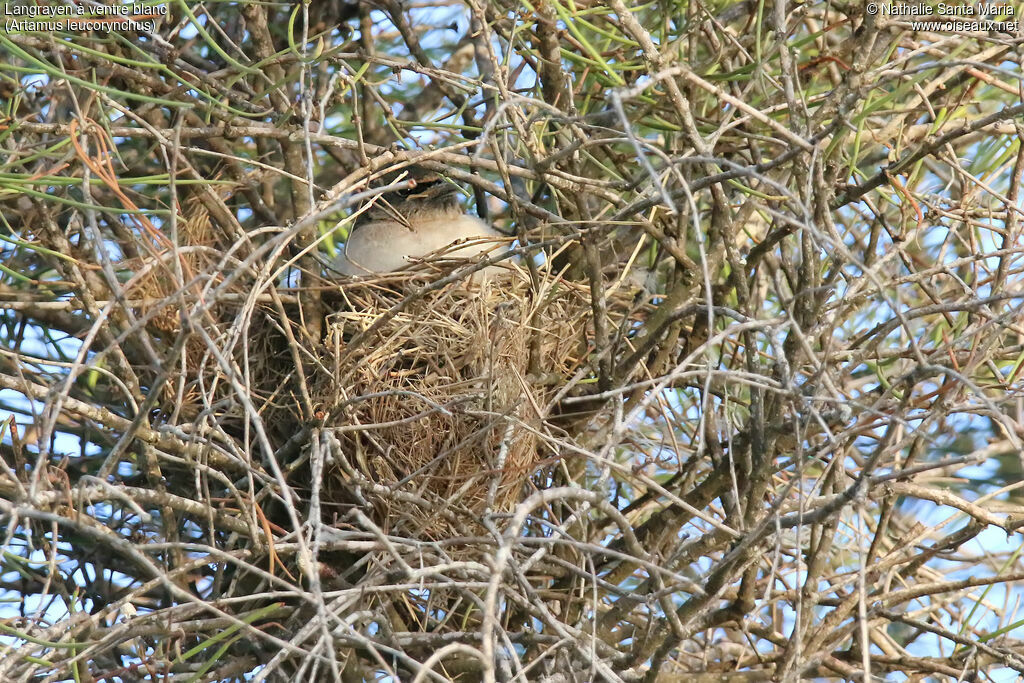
384,246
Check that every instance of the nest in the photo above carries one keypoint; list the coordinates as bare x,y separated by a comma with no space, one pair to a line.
436,400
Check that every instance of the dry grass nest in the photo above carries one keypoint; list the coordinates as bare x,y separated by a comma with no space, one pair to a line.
436,395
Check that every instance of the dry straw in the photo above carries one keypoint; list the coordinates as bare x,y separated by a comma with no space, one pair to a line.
440,405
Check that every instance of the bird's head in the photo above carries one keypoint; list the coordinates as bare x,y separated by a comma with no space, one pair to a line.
430,197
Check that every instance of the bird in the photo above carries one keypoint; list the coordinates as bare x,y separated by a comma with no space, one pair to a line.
406,225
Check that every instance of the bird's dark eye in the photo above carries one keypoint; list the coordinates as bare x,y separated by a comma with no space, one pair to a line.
420,189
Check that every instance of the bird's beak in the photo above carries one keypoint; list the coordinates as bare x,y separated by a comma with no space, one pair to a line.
435,190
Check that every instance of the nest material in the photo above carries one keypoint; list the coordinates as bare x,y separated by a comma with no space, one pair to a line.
155,286
438,414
